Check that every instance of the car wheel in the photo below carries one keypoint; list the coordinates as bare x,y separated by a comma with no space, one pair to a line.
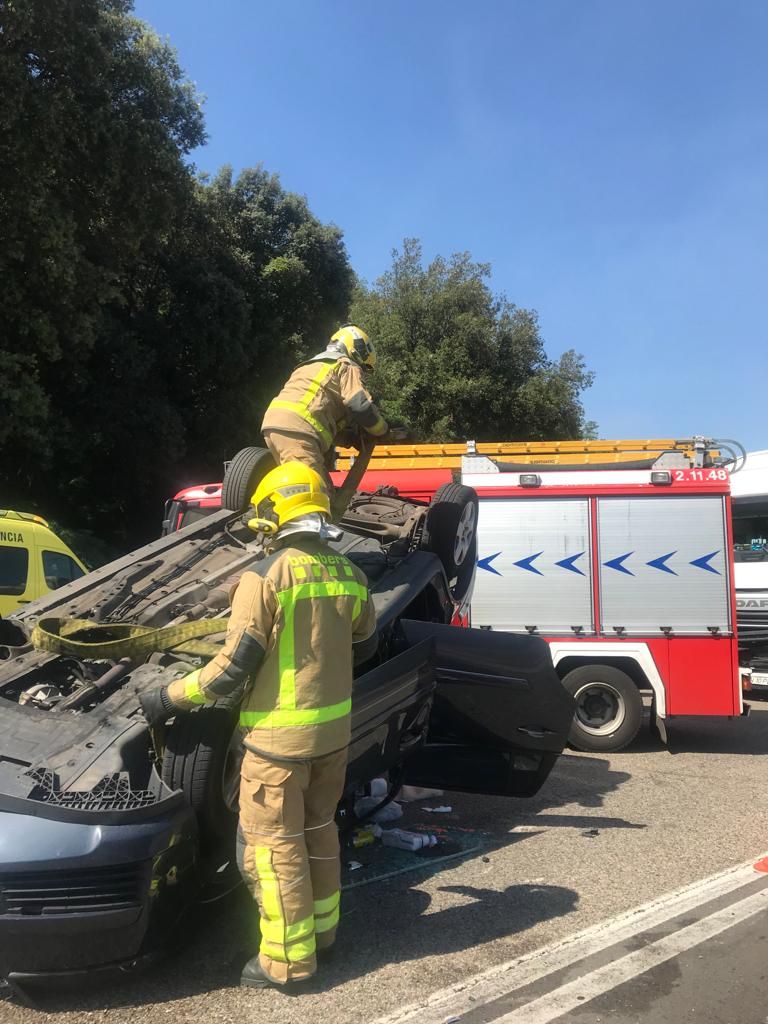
450,531
609,708
202,758
242,477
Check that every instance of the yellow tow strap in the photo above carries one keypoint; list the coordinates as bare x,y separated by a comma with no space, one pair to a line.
107,640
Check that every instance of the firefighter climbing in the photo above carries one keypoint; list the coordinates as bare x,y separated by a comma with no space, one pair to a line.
323,398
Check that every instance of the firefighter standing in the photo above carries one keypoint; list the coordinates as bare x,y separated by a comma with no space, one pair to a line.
289,645
322,398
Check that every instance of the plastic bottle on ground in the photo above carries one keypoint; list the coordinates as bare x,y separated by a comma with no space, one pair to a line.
412,841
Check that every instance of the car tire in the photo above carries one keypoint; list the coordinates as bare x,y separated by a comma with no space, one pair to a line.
201,758
242,476
609,708
450,532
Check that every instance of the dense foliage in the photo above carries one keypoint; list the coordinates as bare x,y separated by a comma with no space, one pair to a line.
146,314
457,362
149,314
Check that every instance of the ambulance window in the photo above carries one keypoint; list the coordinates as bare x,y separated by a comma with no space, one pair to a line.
14,566
59,569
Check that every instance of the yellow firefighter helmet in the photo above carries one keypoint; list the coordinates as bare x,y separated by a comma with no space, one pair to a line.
356,344
285,493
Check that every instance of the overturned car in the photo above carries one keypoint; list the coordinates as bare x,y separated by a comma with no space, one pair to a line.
110,831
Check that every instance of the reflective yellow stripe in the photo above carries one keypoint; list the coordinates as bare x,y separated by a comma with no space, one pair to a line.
286,652
271,906
305,414
323,588
327,922
314,385
302,406
192,691
281,719
279,941
286,713
328,904
289,954
282,934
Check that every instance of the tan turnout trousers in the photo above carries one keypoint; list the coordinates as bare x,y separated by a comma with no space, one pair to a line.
287,447
291,859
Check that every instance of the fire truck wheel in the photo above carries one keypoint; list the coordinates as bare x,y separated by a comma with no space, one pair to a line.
450,532
202,757
242,476
609,708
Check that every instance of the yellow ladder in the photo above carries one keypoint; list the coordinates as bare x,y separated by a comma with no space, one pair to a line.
448,456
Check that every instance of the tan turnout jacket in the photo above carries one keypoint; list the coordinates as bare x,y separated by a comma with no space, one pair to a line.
322,397
289,641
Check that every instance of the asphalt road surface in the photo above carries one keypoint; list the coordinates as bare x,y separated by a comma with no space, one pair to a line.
540,925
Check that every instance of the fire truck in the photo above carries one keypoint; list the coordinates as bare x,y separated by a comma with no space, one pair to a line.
618,553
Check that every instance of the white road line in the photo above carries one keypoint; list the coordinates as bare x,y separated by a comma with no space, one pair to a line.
582,990
507,977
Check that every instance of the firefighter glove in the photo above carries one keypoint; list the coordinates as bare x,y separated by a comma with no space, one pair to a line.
156,706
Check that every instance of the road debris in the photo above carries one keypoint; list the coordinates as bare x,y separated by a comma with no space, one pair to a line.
402,840
389,812
408,794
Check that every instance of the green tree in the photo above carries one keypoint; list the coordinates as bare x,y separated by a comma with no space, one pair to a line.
458,362
95,116
148,315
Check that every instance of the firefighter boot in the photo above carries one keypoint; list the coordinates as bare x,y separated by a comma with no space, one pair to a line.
254,976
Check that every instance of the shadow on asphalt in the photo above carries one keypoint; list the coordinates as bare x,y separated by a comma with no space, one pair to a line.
720,736
223,938
577,780
705,735
479,916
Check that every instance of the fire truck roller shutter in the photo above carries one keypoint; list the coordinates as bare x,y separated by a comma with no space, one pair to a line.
663,565
534,566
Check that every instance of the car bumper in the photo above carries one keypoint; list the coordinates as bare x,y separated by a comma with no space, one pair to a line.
78,898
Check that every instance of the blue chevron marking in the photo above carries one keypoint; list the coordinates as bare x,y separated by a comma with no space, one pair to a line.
525,563
485,563
661,563
617,563
567,563
703,562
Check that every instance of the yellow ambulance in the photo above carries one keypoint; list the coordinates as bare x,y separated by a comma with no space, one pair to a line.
33,560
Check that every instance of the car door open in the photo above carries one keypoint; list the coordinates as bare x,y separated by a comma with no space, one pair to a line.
500,714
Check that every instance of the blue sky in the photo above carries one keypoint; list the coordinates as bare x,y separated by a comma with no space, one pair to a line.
609,158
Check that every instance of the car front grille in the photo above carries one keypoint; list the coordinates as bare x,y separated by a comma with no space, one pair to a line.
72,891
